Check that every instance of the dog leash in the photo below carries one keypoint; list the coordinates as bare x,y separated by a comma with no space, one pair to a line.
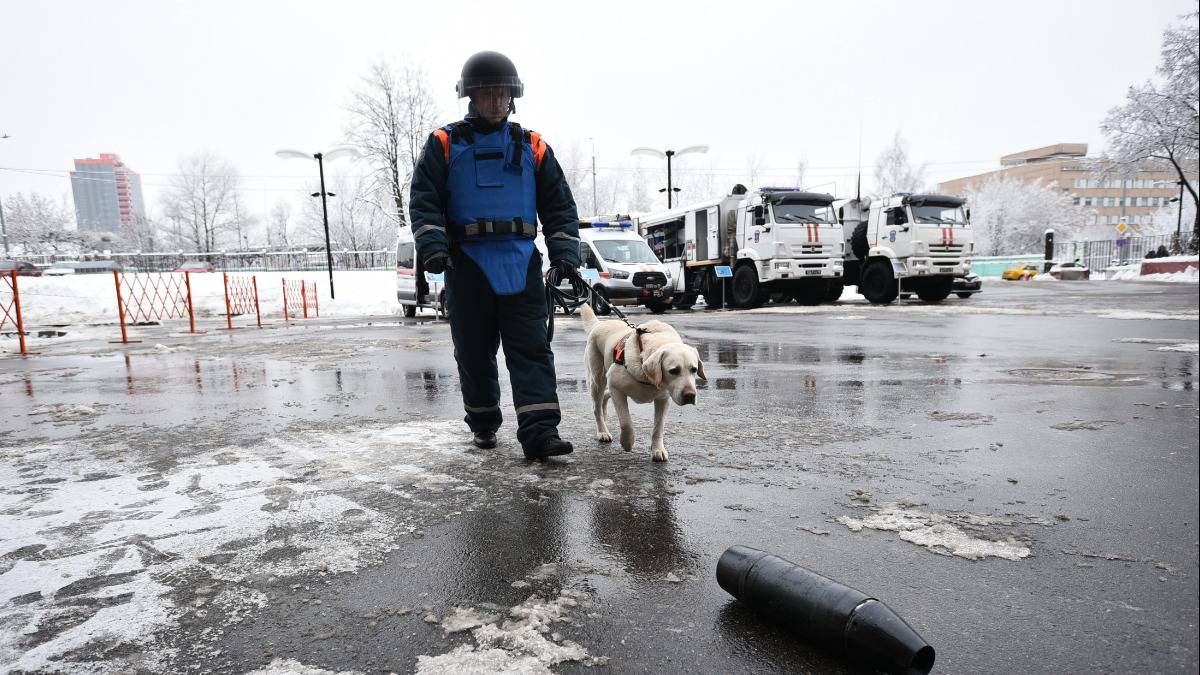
580,293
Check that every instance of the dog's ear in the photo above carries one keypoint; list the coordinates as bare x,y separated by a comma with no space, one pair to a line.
652,367
700,370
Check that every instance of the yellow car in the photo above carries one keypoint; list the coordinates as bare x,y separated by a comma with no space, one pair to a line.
1020,273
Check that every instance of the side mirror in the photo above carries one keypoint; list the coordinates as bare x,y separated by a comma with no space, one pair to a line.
759,215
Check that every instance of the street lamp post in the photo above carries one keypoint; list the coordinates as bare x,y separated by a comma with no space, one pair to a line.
668,154
332,155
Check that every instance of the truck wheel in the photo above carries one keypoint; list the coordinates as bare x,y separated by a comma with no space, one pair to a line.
409,311
811,293
964,296
878,283
936,289
710,288
858,241
684,301
747,292
600,308
657,307
833,289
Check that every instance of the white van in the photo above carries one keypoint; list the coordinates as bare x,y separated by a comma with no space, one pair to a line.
406,280
621,267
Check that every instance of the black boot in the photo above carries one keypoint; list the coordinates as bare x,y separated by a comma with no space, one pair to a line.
484,440
551,447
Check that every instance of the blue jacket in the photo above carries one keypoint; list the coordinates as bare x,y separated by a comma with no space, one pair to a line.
428,202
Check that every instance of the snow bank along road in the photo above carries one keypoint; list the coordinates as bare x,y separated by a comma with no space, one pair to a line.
1015,474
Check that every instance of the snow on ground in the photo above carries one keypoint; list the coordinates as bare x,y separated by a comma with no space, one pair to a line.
1135,315
947,534
98,552
294,667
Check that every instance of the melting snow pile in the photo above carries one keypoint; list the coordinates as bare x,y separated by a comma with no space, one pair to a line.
942,534
525,643
294,667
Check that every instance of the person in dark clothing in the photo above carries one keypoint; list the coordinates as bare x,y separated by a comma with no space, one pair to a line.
479,189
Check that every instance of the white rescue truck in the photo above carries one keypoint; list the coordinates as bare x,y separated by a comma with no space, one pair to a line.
778,243
906,243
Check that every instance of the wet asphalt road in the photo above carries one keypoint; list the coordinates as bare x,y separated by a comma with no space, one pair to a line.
1017,416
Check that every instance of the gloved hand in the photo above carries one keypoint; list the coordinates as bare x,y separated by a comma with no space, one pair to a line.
566,270
438,263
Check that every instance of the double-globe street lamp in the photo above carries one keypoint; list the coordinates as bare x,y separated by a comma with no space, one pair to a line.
321,157
668,154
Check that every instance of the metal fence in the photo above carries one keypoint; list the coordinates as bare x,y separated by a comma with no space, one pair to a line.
1099,255
237,261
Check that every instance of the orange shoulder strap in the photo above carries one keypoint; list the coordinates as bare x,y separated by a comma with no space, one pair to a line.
445,140
539,148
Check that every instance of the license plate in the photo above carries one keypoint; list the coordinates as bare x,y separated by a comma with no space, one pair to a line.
653,287
812,272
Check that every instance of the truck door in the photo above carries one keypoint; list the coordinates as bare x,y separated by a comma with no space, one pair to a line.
897,232
714,227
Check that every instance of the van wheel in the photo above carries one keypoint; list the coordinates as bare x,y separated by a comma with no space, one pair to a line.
409,311
964,296
657,307
878,283
443,310
600,308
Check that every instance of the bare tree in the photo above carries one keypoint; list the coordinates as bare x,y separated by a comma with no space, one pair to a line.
200,204
1158,126
392,112
894,172
36,224
277,226
359,217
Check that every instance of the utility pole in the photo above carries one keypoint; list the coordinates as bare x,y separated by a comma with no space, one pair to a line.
325,217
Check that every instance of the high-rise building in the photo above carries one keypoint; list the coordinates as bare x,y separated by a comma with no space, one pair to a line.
108,194
1091,184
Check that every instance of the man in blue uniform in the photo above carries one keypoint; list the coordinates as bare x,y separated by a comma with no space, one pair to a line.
478,191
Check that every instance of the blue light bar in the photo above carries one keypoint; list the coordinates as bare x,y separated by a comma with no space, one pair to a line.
623,224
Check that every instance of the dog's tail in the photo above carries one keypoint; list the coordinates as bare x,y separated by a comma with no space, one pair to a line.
589,317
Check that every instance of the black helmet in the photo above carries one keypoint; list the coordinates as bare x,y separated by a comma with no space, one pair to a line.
489,69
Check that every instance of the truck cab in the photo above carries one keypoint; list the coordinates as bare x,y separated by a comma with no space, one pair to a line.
906,243
778,243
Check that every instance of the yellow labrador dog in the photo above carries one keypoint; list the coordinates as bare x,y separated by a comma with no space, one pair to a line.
651,364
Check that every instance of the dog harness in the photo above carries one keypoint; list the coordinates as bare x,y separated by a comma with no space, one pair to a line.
619,353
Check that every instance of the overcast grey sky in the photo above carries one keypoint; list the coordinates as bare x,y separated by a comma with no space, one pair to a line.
965,82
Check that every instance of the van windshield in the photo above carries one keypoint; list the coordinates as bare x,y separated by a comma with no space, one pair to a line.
624,251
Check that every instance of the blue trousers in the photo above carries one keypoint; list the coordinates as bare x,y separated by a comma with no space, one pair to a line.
480,321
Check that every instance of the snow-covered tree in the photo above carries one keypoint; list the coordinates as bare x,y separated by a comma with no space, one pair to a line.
1158,125
1010,217
38,225
894,172
199,207
392,113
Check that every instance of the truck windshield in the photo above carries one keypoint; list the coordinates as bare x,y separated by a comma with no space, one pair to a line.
940,215
792,212
624,251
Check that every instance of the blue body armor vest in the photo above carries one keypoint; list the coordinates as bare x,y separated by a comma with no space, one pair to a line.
492,207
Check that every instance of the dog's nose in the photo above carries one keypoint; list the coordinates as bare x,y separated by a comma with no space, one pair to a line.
689,398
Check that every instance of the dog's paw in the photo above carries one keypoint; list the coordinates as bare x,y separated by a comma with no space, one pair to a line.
659,455
627,439
604,437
